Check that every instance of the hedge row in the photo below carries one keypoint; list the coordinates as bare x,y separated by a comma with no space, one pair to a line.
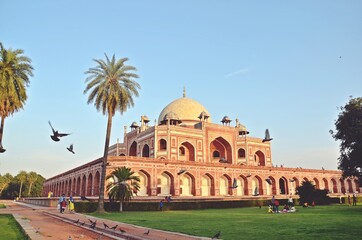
86,207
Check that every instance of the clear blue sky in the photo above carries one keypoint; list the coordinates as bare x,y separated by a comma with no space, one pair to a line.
272,64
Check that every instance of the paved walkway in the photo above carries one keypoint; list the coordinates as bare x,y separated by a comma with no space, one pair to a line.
47,223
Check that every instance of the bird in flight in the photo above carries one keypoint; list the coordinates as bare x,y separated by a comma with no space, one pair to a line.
56,135
70,148
181,171
2,149
235,184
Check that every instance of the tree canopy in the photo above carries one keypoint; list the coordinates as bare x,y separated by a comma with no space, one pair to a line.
122,184
349,133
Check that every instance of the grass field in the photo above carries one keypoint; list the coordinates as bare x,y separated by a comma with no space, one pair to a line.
320,222
9,229
2,205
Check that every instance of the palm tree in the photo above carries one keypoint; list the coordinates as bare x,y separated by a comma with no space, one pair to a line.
112,87
4,181
32,177
21,177
15,70
122,184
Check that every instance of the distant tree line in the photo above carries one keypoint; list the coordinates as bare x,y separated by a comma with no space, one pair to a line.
24,184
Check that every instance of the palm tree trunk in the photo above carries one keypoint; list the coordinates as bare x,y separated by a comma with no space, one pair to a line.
30,184
21,186
2,129
100,208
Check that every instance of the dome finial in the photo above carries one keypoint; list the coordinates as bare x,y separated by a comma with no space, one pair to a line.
184,93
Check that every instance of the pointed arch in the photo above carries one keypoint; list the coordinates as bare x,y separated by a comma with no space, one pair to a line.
145,183
271,188
257,186
146,151
83,188
78,186
316,183
207,185
225,184
259,158
325,182
90,185
162,144
165,184
223,147
283,186
349,185
334,184
241,153
187,152
97,179
133,149
343,189
187,185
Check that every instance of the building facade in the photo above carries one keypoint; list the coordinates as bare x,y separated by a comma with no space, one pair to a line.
185,154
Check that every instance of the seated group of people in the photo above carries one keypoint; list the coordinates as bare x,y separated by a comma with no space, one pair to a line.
286,209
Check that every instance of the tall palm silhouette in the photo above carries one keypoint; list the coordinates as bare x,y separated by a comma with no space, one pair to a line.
112,88
15,70
122,184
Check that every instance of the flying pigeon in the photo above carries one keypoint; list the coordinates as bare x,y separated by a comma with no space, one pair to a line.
84,198
291,180
222,160
70,148
181,171
56,135
268,181
235,184
216,236
267,136
92,222
93,225
2,149
148,232
249,175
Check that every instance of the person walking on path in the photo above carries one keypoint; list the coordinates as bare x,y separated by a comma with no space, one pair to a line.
276,203
273,203
161,205
354,199
290,201
71,204
60,202
349,200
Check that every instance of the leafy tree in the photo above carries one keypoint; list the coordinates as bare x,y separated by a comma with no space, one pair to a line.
21,177
308,194
121,185
112,87
4,181
37,188
15,70
32,177
349,132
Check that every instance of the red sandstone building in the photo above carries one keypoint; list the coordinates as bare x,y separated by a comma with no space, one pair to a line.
185,154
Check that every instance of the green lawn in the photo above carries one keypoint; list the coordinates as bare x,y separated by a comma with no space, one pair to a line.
2,205
320,222
9,228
